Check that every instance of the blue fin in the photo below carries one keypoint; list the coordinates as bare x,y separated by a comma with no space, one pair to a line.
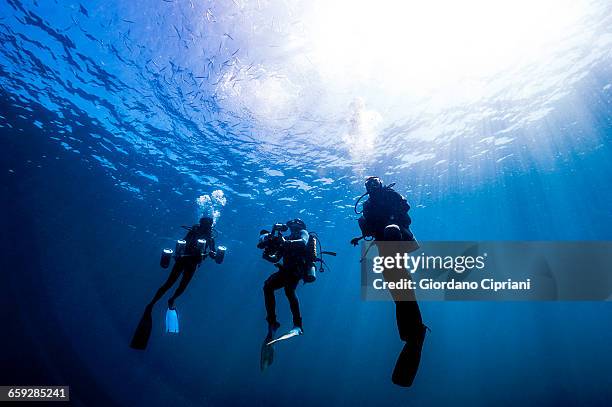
172,321
294,332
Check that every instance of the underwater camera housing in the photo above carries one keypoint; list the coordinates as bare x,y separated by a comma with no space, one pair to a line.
270,242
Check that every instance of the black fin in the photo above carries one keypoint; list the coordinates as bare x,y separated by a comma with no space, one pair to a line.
143,331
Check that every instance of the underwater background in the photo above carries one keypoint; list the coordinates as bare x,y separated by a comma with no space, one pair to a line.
115,116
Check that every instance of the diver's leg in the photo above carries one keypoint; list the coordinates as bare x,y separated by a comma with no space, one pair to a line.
294,303
409,321
407,311
411,243
273,283
188,273
407,314
406,234
392,246
174,275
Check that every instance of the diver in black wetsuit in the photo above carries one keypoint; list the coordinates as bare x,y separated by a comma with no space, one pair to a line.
385,219
292,250
383,208
299,252
185,265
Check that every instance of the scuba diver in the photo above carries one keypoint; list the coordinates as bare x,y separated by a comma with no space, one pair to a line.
384,207
385,220
187,261
198,244
298,253
292,252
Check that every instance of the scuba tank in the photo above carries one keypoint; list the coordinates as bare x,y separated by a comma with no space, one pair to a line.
310,275
314,254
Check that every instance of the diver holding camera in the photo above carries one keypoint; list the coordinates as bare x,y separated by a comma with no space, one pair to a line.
299,252
292,252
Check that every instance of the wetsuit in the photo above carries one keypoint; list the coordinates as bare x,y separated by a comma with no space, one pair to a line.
382,209
289,275
186,264
385,217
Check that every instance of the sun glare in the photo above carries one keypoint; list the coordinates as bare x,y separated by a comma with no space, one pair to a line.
418,46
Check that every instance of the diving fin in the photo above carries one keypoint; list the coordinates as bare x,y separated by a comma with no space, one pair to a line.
172,321
294,332
143,330
267,351
267,354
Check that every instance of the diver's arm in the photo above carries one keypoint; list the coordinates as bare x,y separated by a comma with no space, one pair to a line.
367,209
210,242
363,223
364,231
297,243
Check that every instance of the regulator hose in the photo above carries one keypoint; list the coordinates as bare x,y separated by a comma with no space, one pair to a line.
357,203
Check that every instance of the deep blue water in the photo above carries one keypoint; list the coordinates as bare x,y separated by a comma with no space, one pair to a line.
115,117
